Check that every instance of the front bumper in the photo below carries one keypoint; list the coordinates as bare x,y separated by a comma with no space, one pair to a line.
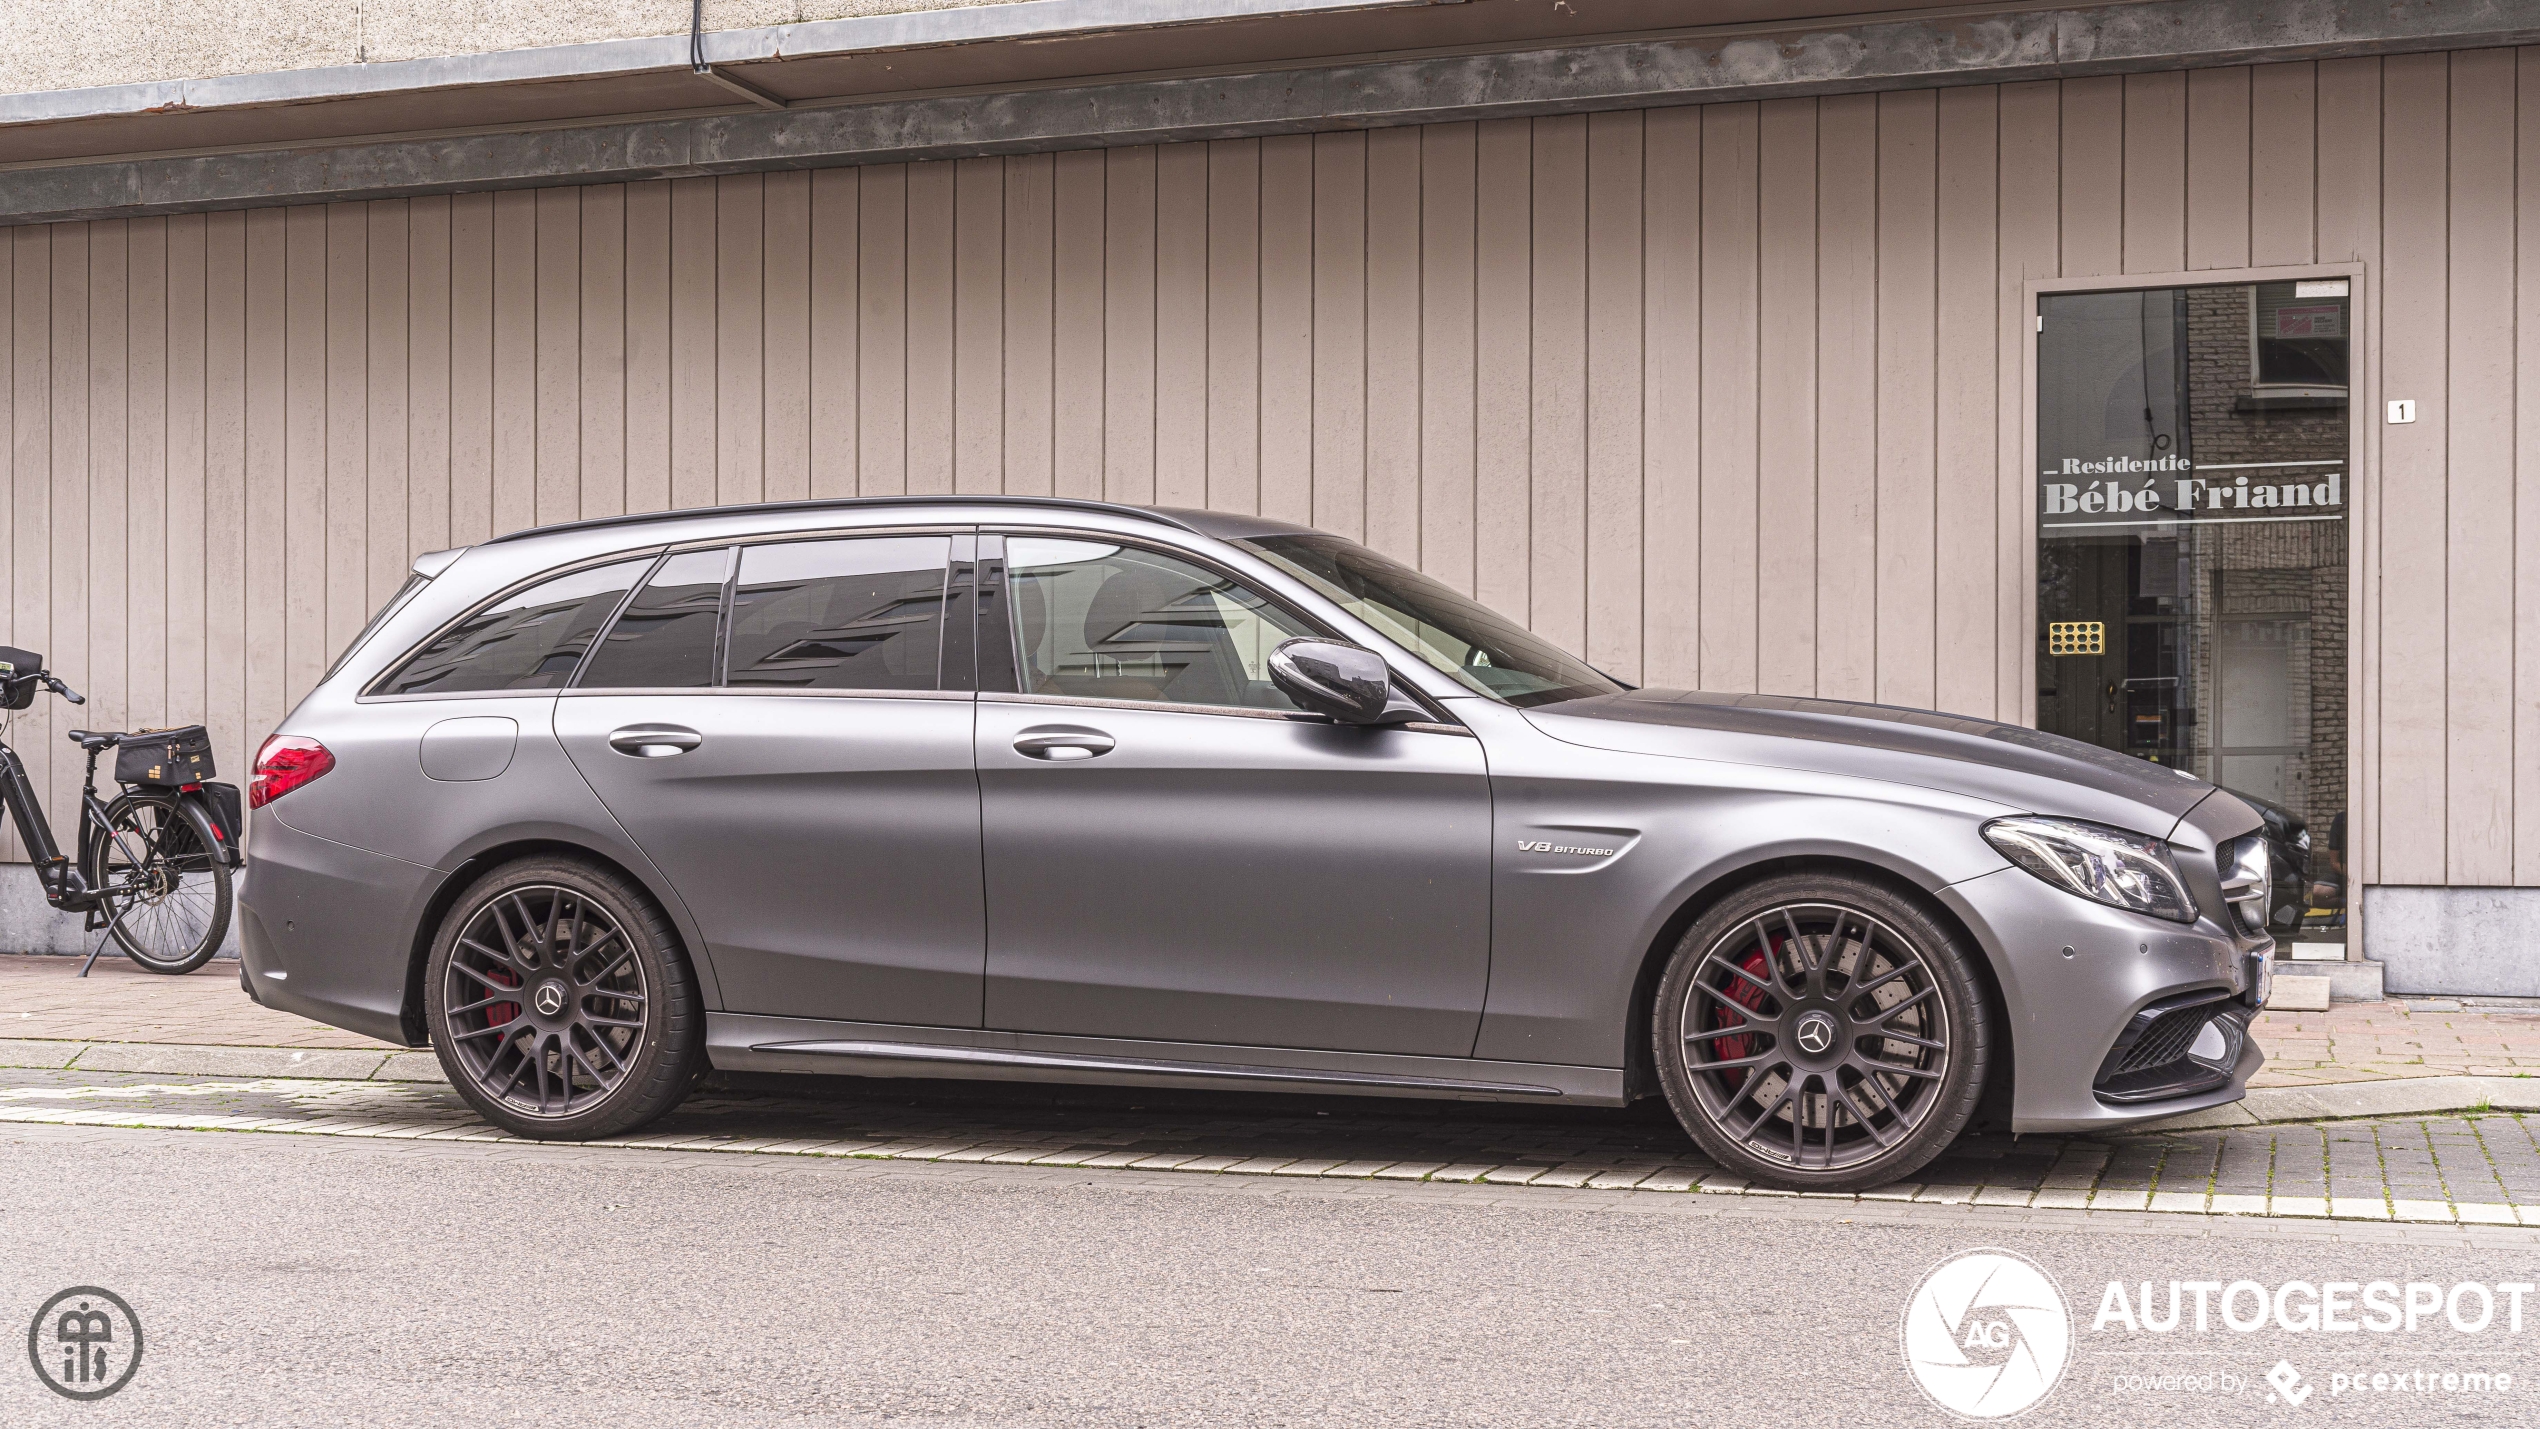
2079,978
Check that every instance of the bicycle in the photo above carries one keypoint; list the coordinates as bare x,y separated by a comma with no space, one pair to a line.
154,865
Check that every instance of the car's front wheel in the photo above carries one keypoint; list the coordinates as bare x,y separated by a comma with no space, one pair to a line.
1821,1032
560,1003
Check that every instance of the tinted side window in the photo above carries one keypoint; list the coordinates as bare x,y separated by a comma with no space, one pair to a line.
859,614
527,641
1097,620
665,640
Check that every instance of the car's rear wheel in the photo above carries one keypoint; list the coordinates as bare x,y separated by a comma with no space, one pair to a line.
560,1003
1821,1032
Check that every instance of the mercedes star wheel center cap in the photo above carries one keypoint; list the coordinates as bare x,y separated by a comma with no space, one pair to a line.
1815,1032
550,999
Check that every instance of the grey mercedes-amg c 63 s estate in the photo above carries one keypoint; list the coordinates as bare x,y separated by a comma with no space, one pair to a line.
1058,790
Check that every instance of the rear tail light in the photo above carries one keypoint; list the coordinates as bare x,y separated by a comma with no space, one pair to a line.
285,763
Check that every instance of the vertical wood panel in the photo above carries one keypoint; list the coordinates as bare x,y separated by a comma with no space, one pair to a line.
146,477
1847,396
1503,264
2092,175
1556,482
2478,398
1730,288
1076,338
1671,399
1446,353
2218,168
2283,131
10,847
2031,247
187,587
1234,325
882,332
1964,499
1029,216
1614,359
428,275
227,506
67,474
930,327
556,349
786,280
2155,148
1393,342
834,239
1181,325
1786,398
2416,818
2349,209
345,300
2526,692
305,524
600,410
1340,334
1128,370
106,535
386,342
650,405
740,338
979,325
691,342
515,360
1908,265
1287,328
31,462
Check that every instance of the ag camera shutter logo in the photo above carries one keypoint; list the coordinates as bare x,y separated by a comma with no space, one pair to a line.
1987,1334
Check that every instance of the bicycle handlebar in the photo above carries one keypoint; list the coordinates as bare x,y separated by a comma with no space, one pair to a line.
54,683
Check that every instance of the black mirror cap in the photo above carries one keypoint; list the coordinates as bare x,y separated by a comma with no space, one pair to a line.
1327,677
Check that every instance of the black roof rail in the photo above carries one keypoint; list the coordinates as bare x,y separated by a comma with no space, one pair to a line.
849,503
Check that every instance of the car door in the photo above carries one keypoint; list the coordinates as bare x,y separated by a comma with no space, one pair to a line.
773,726
1176,853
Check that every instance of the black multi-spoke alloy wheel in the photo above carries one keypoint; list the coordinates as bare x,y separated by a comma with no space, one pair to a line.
161,884
1819,1032
560,1003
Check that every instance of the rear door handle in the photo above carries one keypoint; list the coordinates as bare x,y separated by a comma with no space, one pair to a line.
1061,744
654,741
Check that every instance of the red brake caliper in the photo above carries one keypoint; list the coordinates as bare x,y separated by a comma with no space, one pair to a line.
501,1012
1734,1045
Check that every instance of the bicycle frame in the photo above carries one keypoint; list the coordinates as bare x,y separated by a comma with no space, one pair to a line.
65,885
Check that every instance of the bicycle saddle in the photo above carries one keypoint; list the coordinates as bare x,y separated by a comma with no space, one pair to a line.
92,739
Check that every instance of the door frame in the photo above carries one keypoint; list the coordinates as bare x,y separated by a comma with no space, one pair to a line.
2363,530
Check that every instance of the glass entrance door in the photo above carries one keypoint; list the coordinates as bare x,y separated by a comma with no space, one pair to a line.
2192,500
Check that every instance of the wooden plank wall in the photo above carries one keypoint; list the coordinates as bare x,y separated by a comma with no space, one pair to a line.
1724,396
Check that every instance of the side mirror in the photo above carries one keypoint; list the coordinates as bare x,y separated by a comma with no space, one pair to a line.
1347,682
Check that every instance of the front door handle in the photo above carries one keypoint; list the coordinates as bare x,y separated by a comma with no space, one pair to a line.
1062,744
654,741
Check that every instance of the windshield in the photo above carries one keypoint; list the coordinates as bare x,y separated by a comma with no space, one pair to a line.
1481,649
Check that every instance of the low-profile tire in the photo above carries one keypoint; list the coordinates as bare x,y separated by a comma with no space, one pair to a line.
1822,1032
561,1004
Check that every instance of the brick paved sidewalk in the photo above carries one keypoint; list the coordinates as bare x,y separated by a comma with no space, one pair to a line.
40,998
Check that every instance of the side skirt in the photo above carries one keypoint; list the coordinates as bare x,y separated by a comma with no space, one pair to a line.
742,1042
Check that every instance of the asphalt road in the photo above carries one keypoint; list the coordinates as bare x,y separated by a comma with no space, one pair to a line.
309,1280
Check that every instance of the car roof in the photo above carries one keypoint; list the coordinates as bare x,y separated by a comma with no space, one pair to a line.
855,503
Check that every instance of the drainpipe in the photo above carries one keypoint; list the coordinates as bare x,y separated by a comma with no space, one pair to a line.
698,66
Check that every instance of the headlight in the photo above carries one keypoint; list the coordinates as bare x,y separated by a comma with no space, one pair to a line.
2099,863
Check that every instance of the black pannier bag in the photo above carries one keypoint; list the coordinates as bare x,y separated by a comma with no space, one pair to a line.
226,820
165,757
17,677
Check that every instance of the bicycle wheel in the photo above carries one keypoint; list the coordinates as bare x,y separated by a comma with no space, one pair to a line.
160,882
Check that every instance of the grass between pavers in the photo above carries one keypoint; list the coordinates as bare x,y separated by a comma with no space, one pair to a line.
1665,1179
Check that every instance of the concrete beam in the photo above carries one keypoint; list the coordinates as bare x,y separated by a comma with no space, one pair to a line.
1984,48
